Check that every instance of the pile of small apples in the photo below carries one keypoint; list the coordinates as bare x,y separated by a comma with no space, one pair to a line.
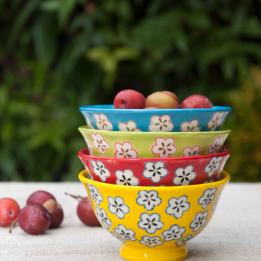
42,212
131,99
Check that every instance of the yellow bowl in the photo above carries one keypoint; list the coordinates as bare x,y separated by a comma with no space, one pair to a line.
154,223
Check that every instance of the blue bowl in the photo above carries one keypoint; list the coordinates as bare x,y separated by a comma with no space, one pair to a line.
105,117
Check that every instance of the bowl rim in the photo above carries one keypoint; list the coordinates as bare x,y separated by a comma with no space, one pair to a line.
82,177
83,153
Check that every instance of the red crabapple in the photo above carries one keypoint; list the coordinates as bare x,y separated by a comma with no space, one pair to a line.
196,101
163,100
9,210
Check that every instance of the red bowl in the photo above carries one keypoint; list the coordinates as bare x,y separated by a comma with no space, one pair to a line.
155,171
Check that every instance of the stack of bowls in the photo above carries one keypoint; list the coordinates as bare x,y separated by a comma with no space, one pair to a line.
154,175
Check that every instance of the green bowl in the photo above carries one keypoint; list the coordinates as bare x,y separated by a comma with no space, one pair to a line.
122,144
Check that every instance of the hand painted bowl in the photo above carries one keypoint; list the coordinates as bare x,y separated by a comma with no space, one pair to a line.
105,117
155,172
154,223
123,144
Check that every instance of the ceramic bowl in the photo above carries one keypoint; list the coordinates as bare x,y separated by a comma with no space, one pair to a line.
154,223
105,117
155,172
123,144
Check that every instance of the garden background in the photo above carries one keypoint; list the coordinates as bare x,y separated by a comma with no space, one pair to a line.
57,55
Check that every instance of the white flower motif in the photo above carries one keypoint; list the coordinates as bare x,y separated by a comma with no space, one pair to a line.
103,218
190,126
117,207
126,178
191,151
177,206
164,147
216,120
125,150
100,143
174,233
150,222
150,241
88,122
128,126
207,197
95,194
124,233
100,170
199,221
217,145
213,166
161,123
155,171
149,199
102,122
184,176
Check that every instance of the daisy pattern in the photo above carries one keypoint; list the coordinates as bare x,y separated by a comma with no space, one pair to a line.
103,218
213,166
164,147
217,145
117,207
128,126
190,126
155,171
161,123
102,122
125,150
100,143
150,241
100,170
95,194
216,120
174,233
207,197
150,222
199,221
191,151
126,178
177,206
184,176
124,233
149,199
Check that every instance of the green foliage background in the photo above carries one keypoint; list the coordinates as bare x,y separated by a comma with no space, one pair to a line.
56,55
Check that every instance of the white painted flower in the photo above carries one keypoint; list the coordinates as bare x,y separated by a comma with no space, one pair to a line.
155,171
161,123
149,199
102,122
199,221
217,145
125,233
191,151
213,166
95,194
103,218
150,241
190,126
125,150
150,222
174,233
216,120
207,197
164,147
128,126
184,175
177,206
100,143
88,122
117,207
100,170
126,178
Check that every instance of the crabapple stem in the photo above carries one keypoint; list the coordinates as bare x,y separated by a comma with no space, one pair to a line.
12,226
77,197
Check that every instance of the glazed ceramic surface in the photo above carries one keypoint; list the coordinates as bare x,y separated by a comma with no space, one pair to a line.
154,223
155,172
123,144
105,117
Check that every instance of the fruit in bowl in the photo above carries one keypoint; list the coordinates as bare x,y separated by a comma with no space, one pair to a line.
163,99
154,223
155,171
